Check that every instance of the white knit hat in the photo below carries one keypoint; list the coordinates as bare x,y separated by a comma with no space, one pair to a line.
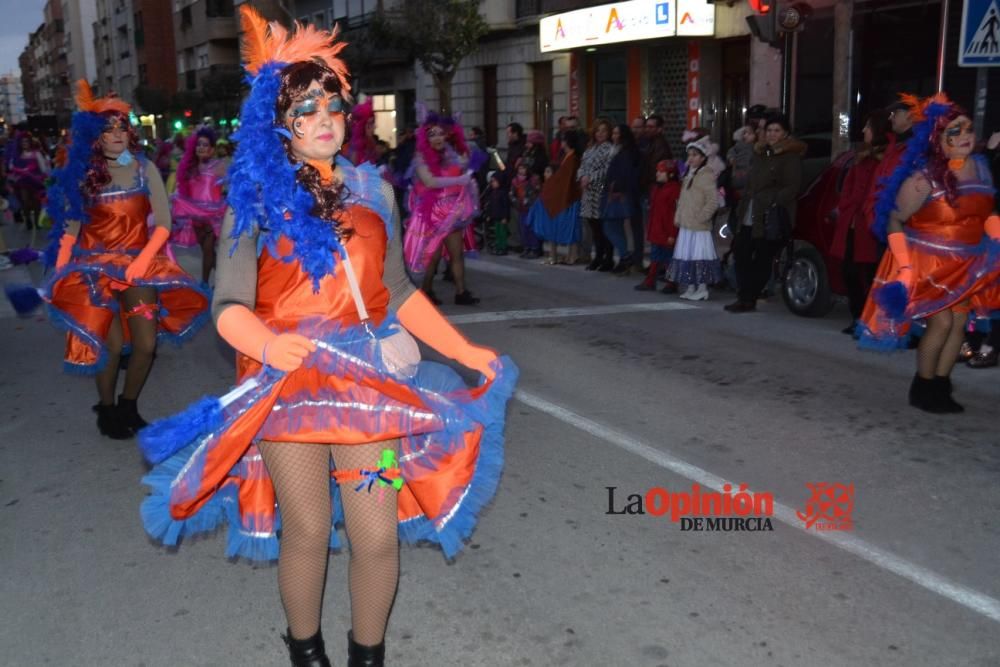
704,146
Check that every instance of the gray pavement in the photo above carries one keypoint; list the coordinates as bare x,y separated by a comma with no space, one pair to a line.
633,400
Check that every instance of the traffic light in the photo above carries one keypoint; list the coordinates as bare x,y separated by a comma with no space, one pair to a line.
178,125
187,113
763,22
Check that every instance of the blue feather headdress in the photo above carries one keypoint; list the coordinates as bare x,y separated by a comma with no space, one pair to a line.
918,149
263,191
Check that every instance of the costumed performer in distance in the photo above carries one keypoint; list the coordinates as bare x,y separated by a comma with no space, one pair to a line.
199,202
443,202
312,292
944,249
112,290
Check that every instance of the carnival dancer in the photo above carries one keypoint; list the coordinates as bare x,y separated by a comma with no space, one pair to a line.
443,202
199,204
111,288
313,294
933,212
363,146
27,172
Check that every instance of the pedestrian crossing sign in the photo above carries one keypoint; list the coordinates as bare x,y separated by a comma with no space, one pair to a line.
980,42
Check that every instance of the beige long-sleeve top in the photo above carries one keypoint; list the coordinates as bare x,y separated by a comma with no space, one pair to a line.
236,271
699,201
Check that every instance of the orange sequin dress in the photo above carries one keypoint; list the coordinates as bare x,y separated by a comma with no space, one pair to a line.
80,295
451,437
954,263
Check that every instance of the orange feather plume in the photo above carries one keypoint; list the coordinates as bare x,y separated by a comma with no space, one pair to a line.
85,100
918,105
271,42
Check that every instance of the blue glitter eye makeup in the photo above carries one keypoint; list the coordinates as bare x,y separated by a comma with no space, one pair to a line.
314,100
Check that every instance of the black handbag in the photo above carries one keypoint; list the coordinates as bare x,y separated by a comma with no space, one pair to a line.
777,223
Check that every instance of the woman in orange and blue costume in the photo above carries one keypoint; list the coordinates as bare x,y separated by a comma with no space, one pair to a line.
935,214
333,399
112,290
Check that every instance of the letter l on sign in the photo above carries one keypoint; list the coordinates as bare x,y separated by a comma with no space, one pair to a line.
662,13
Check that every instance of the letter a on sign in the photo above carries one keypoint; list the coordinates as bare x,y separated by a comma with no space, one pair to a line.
614,20
980,42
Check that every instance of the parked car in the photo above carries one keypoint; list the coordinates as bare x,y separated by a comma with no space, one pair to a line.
811,277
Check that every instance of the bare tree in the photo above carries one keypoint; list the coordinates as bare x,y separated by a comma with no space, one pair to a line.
437,33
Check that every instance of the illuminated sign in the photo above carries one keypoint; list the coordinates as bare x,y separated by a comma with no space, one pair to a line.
626,22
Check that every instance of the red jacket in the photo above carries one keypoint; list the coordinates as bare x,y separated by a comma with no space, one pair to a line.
662,208
853,209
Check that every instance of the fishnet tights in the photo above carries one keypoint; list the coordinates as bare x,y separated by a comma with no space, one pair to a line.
301,476
143,335
940,344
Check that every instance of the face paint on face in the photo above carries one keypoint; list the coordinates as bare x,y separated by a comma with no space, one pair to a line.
316,121
959,138
312,107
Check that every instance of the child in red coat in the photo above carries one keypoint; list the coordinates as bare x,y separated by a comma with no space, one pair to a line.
662,234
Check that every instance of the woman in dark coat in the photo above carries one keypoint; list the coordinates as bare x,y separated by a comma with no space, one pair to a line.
621,199
775,177
853,242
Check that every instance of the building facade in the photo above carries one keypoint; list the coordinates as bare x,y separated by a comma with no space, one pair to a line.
52,72
29,72
78,39
11,100
114,47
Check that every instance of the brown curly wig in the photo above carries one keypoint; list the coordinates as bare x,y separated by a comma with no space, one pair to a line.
98,174
295,80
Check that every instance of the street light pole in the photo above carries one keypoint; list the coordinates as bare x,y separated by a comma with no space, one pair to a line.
942,43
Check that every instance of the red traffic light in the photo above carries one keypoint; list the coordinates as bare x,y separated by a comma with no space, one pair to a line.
761,6
187,113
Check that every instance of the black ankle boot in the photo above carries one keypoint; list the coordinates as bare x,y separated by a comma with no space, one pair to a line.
364,656
111,424
925,395
307,652
129,412
943,387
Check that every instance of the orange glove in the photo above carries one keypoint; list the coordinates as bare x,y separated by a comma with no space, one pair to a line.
245,332
992,227
419,316
140,265
66,243
899,250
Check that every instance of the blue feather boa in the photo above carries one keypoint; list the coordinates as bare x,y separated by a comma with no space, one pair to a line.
264,193
914,160
65,198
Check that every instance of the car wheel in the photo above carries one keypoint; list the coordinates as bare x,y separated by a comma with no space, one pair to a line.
806,288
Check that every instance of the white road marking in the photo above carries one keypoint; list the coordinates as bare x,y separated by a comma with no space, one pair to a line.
542,313
971,599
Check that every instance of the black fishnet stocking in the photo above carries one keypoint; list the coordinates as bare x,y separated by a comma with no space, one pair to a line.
107,378
371,522
143,334
301,476
940,343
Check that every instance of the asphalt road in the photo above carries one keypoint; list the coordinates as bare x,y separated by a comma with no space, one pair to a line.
634,399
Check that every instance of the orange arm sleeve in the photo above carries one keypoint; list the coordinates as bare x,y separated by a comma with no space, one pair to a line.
993,227
899,250
140,265
244,331
419,316
66,244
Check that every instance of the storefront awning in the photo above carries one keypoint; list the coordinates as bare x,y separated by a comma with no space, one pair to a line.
626,22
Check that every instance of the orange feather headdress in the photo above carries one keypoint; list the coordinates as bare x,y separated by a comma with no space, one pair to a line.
85,101
918,106
265,42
